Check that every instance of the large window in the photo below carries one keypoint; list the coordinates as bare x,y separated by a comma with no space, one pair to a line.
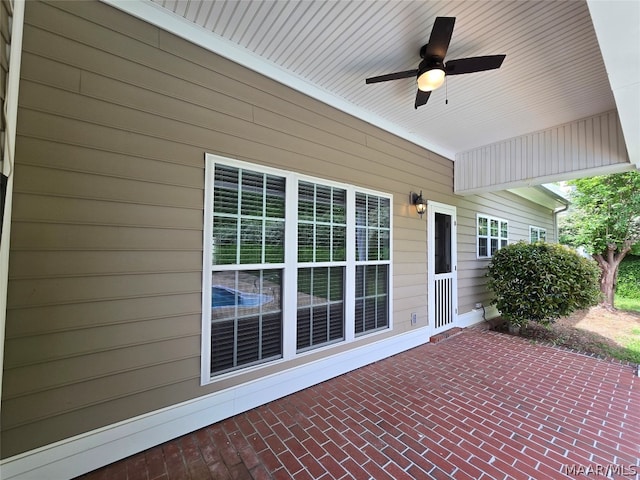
537,234
247,250
492,235
372,262
291,264
322,229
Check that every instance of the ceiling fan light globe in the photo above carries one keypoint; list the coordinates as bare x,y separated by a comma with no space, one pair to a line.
431,79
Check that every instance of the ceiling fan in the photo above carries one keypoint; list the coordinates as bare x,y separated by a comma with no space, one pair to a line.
432,69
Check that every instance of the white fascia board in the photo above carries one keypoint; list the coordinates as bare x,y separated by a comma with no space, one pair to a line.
181,27
617,27
542,196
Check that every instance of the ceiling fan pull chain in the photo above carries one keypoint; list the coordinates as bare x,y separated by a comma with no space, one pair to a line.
446,91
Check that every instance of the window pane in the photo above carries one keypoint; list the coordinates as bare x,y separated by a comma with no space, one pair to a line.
494,245
323,203
361,244
543,235
339,244
382,309
359,317
373,245
372,228
385,213
305,201
274,205
240,232
225,240
504,229
385,246
323,243
320,317
250,241
252,193
534,235
305,242
339,206
482,226
482,247
246,318
494,228
361,209
371,297
274,242
373,211
321,210
225,192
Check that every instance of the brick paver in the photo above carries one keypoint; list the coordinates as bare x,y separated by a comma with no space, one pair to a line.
480,405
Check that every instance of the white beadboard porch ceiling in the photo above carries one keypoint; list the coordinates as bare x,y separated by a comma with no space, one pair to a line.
553,72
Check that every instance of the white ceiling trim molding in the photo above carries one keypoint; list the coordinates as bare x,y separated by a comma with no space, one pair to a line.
617,27
177,25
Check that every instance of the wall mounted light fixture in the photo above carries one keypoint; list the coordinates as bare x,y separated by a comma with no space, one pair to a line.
419,202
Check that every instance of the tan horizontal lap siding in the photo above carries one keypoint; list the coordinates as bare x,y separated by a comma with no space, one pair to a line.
520,214
104,307
115,117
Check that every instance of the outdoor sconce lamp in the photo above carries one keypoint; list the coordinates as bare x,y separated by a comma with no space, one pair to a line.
418,201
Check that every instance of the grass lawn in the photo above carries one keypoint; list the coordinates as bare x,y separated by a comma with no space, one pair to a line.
614,334
627,303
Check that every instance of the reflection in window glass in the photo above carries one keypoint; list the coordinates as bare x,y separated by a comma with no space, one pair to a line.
320,317
372,298
321,223
537,234
246,318
373,221
248,217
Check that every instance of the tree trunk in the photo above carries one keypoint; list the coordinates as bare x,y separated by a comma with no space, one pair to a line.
608,263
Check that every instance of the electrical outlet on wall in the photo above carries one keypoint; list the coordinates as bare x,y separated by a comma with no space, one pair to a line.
414,318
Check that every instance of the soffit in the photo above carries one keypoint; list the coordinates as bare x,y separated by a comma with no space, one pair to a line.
553,74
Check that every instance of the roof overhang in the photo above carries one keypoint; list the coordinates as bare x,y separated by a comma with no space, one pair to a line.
617,27
545,195
616,24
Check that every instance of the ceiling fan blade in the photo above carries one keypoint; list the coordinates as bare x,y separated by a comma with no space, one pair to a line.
473,64
392,76
421,98
439,39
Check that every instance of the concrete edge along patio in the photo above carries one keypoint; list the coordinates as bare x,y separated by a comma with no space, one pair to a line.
480,405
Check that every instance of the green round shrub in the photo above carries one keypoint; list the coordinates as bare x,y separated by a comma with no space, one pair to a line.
541,282
628,284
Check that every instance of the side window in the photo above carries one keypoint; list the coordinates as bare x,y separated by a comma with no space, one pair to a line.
322,228
372,244
247,248
537,234
491,235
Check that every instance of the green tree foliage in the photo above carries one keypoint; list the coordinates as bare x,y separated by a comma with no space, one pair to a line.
605,219
628,285
541,282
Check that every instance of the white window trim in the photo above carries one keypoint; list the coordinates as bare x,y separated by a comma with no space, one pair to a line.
500,237
289,267
538,230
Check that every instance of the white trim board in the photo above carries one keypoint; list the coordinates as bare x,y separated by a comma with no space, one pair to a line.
474,317
83,453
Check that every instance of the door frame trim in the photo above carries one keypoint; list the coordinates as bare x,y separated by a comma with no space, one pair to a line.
432,209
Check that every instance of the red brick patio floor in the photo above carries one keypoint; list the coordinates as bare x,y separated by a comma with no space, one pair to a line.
480,405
